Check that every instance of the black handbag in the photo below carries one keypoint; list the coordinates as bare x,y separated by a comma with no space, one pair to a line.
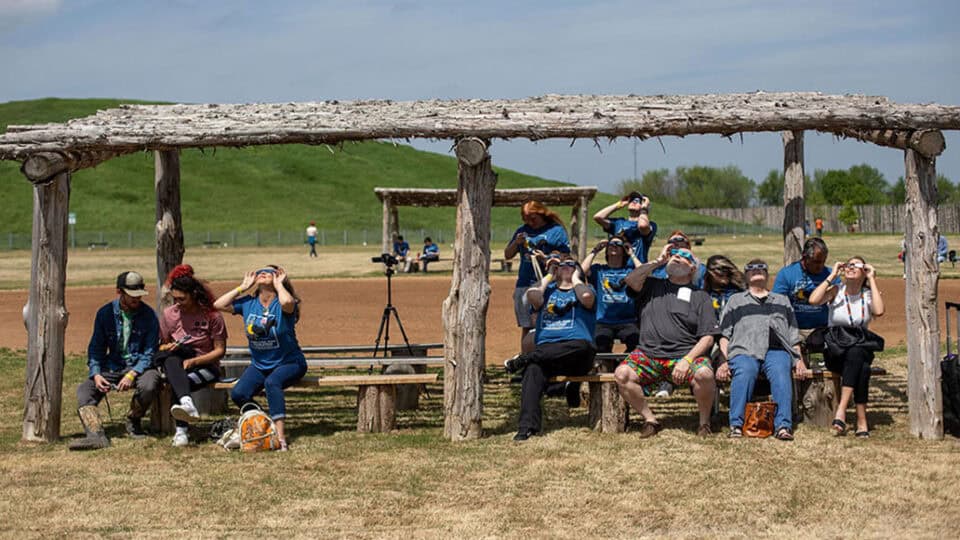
840,338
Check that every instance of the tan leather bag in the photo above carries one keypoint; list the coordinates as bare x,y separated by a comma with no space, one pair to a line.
758,419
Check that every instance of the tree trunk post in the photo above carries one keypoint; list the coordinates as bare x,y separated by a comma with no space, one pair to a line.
394,225
793,197
583,208
465,309
386,240
574,237
45,313
169,222
923,341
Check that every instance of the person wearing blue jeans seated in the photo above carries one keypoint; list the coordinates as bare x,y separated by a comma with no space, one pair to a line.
270,315
564,335
759,332
431,252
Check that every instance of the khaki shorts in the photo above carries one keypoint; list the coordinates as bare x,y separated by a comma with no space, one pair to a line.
521,309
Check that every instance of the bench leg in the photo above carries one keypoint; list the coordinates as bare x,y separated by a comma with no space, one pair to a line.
819,399
209,401
161,423
608,410
408,395
376,408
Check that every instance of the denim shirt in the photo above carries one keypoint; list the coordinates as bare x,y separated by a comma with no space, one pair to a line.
103,353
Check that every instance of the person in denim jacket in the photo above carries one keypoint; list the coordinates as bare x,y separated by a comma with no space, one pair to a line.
120,358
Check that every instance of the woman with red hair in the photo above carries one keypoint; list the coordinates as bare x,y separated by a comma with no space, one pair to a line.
542,231
193,339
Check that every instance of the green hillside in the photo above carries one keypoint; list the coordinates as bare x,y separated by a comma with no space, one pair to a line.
262,188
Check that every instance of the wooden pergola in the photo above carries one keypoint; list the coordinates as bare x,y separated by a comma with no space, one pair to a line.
576,197
51,152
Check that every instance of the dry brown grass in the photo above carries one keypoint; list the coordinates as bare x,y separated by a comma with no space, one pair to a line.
570,483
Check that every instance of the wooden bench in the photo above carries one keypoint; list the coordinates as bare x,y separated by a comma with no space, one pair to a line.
377,398
506,265
213,243
93,245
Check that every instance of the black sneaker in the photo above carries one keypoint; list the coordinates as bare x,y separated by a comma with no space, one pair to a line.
572,390
515,364
135,428
524,434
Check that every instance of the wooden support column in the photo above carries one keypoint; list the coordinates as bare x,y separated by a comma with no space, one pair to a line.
581,210
794,209
575,227
46,313
386,243
465,309
394,226
169,221
923,339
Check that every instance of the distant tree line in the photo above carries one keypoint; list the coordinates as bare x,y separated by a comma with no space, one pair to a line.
728,187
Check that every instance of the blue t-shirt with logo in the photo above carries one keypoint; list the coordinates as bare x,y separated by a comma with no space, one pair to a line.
270,332
563,318
796,284
720,297
640,242
614,305
551,237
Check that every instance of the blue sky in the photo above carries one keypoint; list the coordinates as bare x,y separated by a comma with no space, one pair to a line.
245,51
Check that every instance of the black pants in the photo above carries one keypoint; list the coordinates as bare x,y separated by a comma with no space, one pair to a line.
144,390
854,367
605,334
183,381
548,360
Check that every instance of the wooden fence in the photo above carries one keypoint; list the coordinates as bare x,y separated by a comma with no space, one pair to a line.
890,218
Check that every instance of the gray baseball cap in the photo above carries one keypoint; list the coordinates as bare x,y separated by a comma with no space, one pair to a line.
132,284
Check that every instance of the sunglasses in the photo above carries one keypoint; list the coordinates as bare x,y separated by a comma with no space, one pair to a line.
638,201
684,254
569,264
858,266
678,240
615,242
756,266
266,271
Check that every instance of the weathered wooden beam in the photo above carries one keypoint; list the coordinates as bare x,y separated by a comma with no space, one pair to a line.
423,197
584,210
42,166
793,197
574,230
930,143
465,309
385,243
923,339
167,127
46,313
169,221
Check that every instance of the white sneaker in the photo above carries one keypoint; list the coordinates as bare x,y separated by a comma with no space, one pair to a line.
180,439
186,411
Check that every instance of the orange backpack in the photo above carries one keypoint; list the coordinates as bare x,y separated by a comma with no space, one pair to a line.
257,430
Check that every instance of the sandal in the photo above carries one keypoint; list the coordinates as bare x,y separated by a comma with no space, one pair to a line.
865,434
784,434
839,427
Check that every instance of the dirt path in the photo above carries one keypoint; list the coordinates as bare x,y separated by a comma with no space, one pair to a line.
348,311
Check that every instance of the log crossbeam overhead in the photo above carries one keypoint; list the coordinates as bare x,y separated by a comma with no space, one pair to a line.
930,143
167,127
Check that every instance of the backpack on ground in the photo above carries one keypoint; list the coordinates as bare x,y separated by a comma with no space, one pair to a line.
256,429
950,380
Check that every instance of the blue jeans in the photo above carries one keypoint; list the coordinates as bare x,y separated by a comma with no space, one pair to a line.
776,366
273,381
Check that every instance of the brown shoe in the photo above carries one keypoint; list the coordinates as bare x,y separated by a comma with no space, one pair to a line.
704,430
650,429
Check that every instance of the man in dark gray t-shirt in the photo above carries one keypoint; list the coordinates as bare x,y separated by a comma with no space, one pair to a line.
677,329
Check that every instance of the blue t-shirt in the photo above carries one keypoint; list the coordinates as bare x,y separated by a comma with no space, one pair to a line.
551,237
270,332
640,243
697,283
563,318
614,305
794,283
431,248
720,297
401,248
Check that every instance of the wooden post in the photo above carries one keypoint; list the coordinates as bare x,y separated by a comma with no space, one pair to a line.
609,412
584,225
169,222
394,225
465,309
376,408
574,236
386,241
923,339
793,204
45,313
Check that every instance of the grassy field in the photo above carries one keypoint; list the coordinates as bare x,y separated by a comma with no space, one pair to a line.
263,188
570,483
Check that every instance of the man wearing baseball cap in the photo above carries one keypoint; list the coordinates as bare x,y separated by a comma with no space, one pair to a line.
120,358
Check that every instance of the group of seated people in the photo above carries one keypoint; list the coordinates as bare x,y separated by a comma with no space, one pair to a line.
131,348
413,263
683,322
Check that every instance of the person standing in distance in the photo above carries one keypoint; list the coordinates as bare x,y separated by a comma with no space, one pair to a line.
312,238
636,227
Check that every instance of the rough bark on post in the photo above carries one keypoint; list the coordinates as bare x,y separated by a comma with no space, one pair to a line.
575,225
386,240
169,222
923,339
465,309
376,408
609,412
45,313
793,196
585,225
394,226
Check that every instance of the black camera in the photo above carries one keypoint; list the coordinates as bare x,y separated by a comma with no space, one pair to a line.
386,259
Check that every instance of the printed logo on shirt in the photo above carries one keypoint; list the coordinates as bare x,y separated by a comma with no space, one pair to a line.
556,314
613,291
262,331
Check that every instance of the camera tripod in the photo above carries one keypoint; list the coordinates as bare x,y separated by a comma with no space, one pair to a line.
384,331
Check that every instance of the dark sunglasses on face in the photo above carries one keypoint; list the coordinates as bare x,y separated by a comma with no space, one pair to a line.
266,271
637,201
683,253
757,266
615,242
677,240
569,264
